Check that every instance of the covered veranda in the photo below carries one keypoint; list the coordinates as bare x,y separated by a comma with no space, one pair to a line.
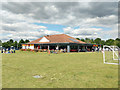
70,47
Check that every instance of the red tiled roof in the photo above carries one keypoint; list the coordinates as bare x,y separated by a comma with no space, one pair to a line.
58,38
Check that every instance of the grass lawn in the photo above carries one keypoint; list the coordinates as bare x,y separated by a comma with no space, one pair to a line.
66,70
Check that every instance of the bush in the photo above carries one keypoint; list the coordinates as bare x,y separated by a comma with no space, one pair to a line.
51,51
36,50
40,50
44,50
27,49
22,50
31,50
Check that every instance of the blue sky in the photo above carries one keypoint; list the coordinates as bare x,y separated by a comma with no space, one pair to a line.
57,27
77,19
53,27
60,28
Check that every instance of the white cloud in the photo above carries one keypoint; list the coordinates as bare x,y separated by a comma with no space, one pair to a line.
82,32
18,19
19,26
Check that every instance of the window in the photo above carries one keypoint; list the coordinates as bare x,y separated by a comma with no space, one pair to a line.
73,40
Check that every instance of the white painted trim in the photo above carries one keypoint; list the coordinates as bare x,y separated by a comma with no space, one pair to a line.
23,47
31,47
44,40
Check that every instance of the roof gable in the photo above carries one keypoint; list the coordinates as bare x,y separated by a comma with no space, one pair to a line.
58,38
44,39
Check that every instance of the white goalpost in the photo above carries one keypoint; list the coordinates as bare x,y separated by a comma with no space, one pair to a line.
111,55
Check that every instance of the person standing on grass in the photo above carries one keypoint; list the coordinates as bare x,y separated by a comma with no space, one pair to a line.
8,51
2,51
61,50
49,52
5,50
64,50
100,49
11,51
93,49
14,50
79,50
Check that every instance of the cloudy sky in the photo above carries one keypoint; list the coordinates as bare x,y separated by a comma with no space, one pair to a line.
31,20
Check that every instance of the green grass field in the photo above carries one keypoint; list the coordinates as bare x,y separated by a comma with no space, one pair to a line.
65,70
109,57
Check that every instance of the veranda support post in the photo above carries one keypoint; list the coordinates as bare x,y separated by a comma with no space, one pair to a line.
68,48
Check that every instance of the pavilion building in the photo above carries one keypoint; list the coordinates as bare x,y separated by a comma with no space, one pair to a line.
58,41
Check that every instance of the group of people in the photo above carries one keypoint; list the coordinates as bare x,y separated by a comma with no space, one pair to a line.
63,50
57,51
97,49
8,51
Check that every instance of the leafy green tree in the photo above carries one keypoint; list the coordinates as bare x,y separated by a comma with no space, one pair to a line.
118,39
82,40
117,42
6,45
77,38
0,43
92,41
11,40
97,41
102,42
15,44
87,40
26,41
20,43
109,42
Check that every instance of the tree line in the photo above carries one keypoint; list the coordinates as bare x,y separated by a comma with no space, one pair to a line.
108,42
13,43
18,45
